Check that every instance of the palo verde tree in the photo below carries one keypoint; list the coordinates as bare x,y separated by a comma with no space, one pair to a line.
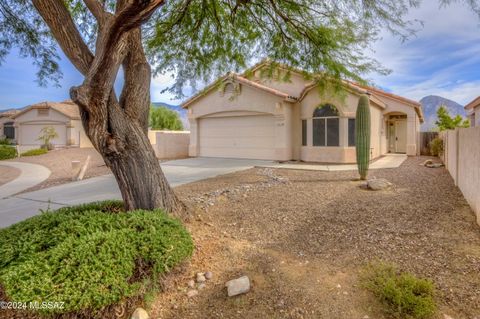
193,39
446,122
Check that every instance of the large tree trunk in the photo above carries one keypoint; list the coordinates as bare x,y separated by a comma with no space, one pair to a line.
116,128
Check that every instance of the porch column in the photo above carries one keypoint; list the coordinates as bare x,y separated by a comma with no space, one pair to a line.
283,132
193,147
411,136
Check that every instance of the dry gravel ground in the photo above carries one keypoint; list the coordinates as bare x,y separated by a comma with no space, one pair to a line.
8,174
303,236
60,163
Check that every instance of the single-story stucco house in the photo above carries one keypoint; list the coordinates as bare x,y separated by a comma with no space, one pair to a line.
473,112
250,116
64,117
7,125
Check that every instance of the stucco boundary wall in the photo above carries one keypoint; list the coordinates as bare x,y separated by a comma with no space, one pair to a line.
170,144
462,159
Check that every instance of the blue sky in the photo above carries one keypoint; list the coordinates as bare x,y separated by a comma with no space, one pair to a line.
442,59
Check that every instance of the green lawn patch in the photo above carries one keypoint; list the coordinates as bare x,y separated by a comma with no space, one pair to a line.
7,152
35,152
89,256
403,294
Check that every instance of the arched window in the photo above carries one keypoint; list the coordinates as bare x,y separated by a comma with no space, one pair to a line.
326,126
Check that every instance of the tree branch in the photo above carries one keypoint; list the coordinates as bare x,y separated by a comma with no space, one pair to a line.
60,22
97,9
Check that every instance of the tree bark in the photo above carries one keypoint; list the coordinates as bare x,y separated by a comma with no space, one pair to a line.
117,129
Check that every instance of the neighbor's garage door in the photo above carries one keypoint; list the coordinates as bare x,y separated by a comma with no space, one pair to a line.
238,137
29,134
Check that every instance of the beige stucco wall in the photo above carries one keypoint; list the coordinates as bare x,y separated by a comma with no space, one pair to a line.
462,159
170,144
294,86
347,107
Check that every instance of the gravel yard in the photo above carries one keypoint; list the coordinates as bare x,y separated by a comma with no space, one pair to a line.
8,174
303,236
60,162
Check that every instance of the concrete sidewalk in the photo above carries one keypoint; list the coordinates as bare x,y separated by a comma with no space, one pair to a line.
178,172
388,161
31,175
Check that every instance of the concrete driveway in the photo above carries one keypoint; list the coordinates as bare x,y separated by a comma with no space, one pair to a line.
16,208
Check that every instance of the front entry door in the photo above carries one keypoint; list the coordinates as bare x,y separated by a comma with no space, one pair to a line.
401,136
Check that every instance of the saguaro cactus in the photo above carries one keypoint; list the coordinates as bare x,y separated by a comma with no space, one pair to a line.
362,135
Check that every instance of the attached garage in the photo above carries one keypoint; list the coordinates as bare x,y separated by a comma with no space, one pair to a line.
30,133
237,137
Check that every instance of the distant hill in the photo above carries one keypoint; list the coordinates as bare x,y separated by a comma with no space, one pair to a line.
178,109
430,105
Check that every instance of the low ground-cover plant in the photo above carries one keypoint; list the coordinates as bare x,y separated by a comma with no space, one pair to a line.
7,152
35,152
89,256
5,141
403,294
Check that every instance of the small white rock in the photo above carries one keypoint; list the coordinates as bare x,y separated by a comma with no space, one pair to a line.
191,283
201,277
445,316
140,313
201,286
192,293
208,275
238,286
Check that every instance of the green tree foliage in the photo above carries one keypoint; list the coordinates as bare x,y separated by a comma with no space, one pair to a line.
198,40
162,118
447,122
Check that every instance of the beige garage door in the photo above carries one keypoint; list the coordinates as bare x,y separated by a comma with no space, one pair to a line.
238,137
29,134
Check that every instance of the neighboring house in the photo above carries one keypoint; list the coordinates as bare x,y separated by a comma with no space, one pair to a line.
473,112
259,118
7,127
64,117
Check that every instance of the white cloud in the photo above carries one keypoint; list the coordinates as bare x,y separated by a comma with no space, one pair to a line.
442,59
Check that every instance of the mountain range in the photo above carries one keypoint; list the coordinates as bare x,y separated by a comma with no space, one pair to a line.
430,105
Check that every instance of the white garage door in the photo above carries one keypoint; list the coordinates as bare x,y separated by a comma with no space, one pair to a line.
238,137
29,134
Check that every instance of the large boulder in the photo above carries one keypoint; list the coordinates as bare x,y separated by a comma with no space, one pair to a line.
238,286
140,313
378,184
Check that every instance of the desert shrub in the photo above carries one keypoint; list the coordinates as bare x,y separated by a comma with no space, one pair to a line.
35,152
7,152
403,294
162,118
436,147
89,256
5,141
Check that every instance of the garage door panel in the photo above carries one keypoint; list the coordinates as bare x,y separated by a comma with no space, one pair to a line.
245,142
260,132
29,134
238,137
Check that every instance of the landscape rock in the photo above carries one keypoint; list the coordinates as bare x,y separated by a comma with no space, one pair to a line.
445,316
427,162
201,277
201,286
434,165
192,293
238,286
140,313
378,184
208,275
191,283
